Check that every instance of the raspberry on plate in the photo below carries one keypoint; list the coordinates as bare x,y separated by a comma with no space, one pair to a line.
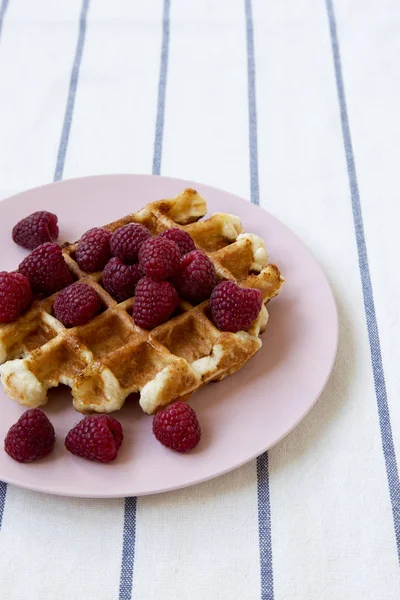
196,277
177,427
120,280
155,301
127,240
181,238
234,308
46,269
93,251
36,229
15,296
159,258
31,437
76,305
97,437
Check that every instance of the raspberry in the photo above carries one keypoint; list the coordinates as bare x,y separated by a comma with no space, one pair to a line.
93,251
97,437
46,269
234,308
120,280
127,240
159,258
155,301
181,238
177,427
38,228
15,296
76,305
31,437
196,277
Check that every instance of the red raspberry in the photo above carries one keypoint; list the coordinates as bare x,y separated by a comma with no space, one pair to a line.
97,437
120,280
159,258
38,228
234,308
93,251
177,427
196,277
155,301
15,296
76,305
31,437
181,238
46,269
127,240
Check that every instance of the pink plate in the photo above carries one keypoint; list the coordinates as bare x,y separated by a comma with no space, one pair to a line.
241,416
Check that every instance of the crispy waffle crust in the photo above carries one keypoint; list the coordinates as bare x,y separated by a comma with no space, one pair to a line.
110,358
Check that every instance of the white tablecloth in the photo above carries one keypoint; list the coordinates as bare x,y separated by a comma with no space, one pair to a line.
290,103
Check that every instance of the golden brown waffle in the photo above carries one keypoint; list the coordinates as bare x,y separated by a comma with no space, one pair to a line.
110,357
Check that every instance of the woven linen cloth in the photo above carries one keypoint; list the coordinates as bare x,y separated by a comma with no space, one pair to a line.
292,104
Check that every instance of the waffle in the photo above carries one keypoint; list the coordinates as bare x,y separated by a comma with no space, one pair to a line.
109,358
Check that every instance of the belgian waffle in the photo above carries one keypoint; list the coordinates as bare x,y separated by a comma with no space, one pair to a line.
109,358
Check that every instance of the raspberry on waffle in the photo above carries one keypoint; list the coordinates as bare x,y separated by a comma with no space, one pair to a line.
110,357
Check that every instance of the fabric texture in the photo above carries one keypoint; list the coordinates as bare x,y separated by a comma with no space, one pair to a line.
293,105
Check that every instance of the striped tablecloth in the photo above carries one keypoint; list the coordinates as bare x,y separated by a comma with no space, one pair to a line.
293,104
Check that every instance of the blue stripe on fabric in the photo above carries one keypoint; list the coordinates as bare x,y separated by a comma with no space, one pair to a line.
3,494
369,305
3,8
128,546
264,528
128,550
264,506
3,486
62,150
64,138
162,87
251,86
